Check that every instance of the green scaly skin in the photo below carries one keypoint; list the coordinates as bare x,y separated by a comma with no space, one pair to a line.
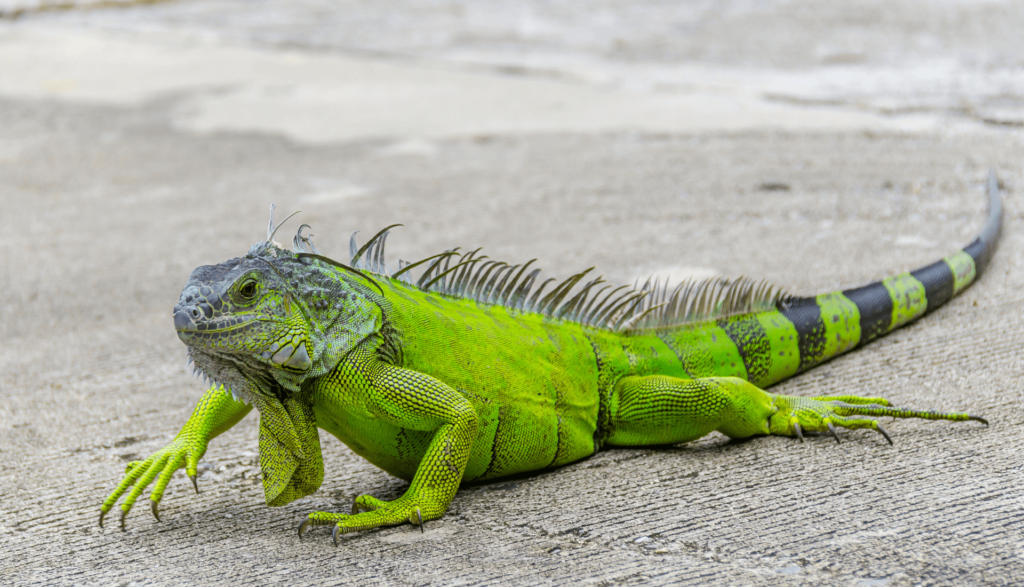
440,389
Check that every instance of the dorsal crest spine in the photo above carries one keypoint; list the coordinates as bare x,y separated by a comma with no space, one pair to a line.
654,305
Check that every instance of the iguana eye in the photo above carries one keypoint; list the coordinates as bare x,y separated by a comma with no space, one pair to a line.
248,290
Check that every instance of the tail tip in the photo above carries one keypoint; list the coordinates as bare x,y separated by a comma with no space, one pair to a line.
993,182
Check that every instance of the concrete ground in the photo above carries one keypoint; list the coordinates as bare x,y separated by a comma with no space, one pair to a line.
817,145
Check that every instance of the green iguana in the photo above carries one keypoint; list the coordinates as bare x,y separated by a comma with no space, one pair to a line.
470,373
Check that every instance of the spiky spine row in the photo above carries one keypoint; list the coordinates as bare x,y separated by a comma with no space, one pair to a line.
654,305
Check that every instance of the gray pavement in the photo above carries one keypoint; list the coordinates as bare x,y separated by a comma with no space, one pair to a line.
137,143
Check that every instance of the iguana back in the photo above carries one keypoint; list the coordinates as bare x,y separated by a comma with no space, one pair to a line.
540,375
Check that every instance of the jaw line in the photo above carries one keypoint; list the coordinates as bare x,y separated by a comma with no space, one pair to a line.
245,324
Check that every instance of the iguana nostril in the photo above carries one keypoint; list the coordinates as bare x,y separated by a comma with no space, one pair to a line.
182,321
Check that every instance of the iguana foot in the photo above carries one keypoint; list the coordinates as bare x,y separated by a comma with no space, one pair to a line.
216,411
796,415
182,452
375,513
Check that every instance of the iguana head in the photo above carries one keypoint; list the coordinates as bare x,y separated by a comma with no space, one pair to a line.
264,323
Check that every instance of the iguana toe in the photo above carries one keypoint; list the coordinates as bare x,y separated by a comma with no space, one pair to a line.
124,514
832,429
882,431
155,506
419,520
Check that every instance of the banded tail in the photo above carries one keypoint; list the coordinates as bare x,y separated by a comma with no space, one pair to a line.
765,346
833,323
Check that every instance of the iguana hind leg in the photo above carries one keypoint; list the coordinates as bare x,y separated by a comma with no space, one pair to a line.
667,410
658,409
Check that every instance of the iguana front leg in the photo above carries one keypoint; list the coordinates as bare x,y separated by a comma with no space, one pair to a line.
416,401
216,412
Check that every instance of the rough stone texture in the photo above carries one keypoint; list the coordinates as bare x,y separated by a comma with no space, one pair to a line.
107,208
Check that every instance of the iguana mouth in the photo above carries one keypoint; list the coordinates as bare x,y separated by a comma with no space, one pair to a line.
190,319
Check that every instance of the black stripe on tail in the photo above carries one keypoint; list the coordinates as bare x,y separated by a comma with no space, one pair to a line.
941,279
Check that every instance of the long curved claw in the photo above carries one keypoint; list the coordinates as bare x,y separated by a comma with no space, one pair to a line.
978,419
124,515
355,505
799,432
194,483
878,426
334,535
156,510
832,429
303,526
419,517
103,514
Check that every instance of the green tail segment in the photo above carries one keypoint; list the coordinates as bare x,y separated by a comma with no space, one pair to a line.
472,372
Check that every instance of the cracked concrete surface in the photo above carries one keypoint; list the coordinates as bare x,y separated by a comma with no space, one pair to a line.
128,156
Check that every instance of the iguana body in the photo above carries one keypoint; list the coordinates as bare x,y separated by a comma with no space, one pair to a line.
471,374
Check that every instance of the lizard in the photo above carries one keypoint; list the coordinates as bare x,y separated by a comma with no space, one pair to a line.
472,372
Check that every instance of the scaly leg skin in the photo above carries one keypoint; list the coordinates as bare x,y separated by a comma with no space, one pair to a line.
216,412
416,401
668,410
